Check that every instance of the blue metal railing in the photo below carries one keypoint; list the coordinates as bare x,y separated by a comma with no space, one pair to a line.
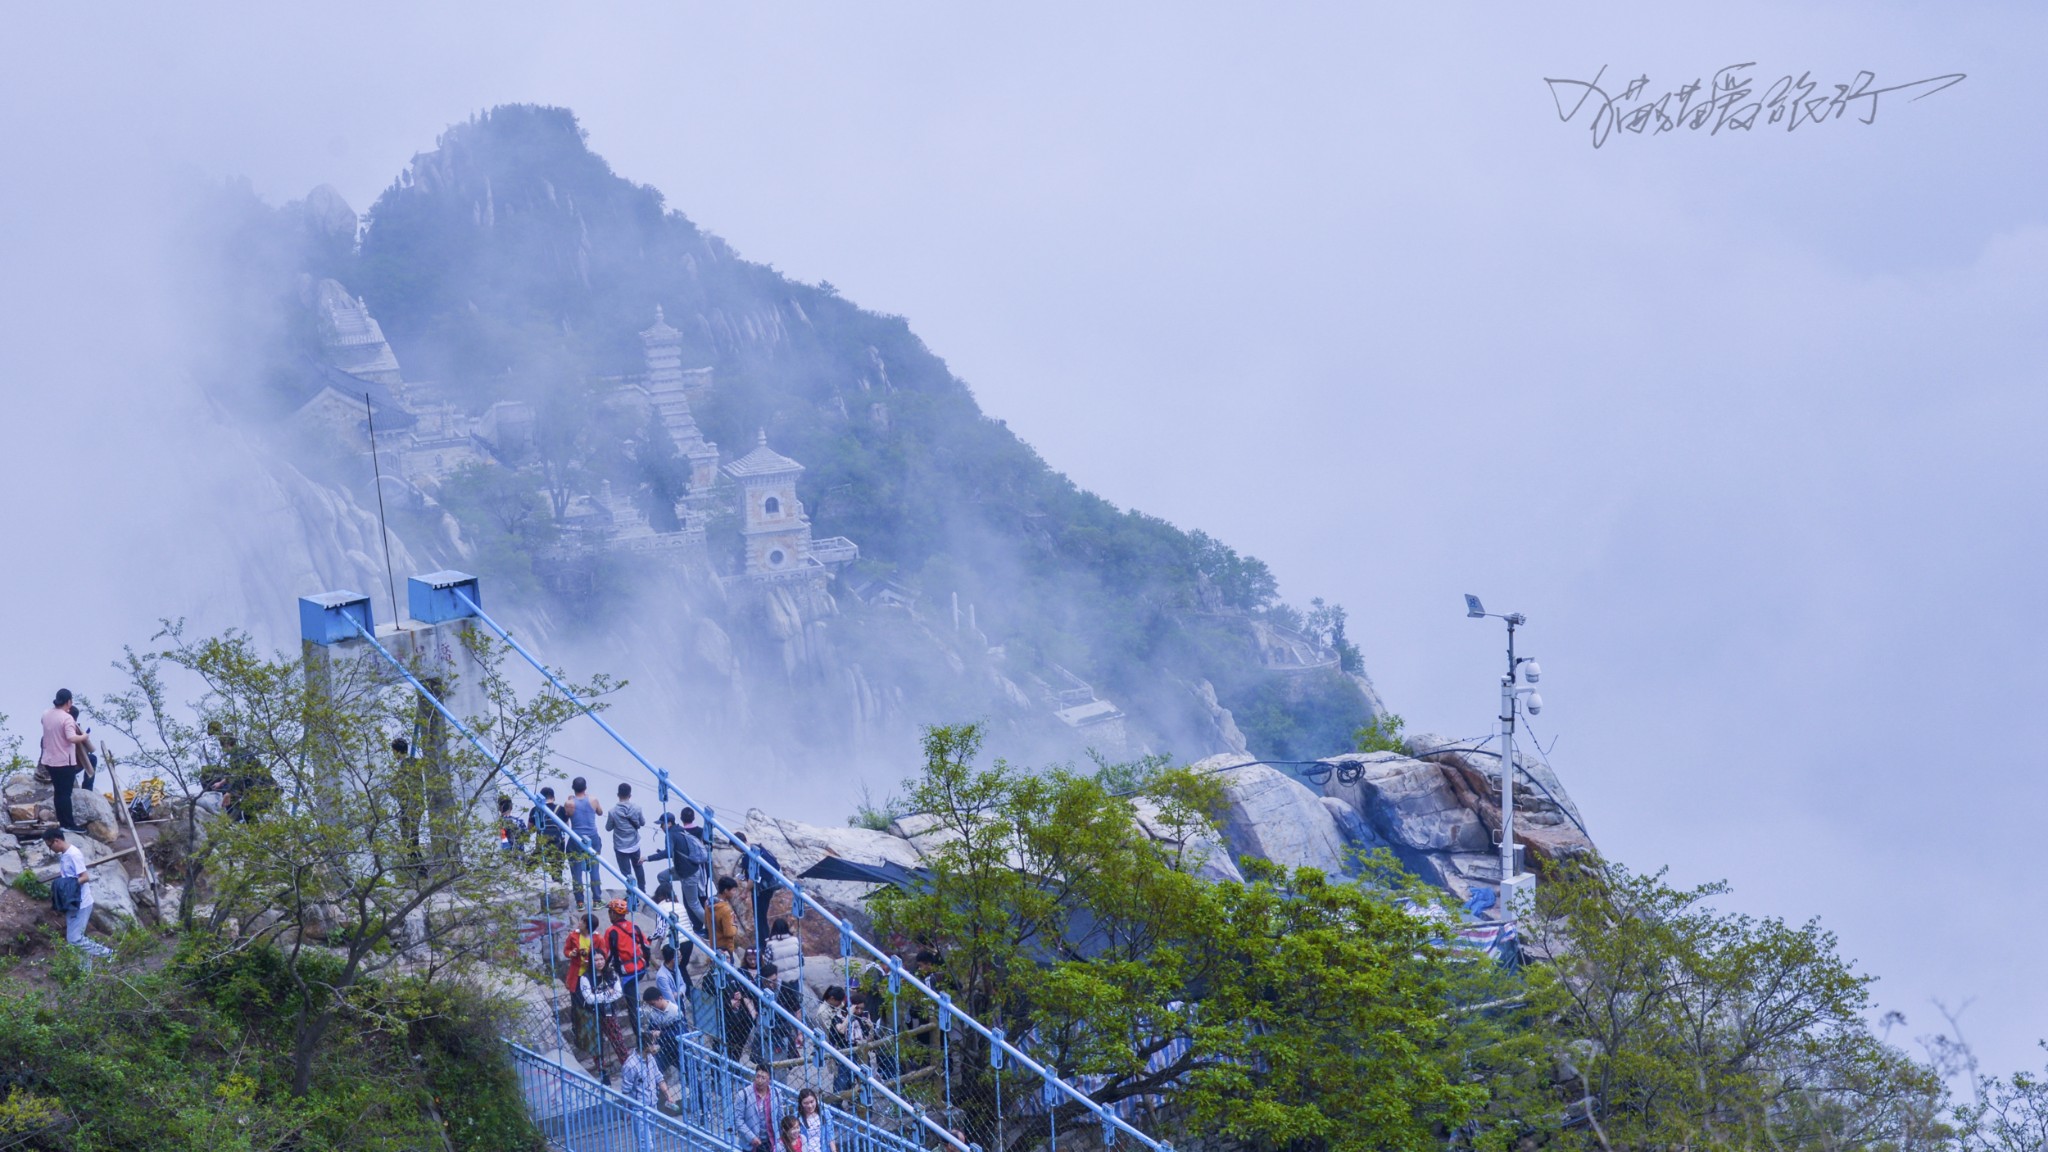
1057,1087
914,1115
577,1114
714,1088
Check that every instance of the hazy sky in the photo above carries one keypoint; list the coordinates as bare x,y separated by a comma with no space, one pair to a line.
1749,425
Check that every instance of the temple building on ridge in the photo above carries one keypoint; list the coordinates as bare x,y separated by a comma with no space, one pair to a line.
424,438
776,532
352,338
668,387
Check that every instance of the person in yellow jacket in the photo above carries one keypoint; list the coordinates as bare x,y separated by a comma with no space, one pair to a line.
725,930
576,950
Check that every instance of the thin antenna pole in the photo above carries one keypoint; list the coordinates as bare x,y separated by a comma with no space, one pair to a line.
384,528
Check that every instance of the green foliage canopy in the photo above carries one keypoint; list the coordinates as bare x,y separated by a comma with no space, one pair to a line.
189,1051
1688,1027
1293,1011
1305,1013
356,860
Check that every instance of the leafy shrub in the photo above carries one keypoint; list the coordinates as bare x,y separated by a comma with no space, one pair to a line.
32,886
1381,734
193,1054
872,816
25,1112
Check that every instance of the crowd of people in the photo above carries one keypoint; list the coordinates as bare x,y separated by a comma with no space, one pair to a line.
634,1003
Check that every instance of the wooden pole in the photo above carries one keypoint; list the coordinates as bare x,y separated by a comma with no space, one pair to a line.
54,869
120,802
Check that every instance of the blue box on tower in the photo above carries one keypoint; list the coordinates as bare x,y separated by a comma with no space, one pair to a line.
331,617
433,598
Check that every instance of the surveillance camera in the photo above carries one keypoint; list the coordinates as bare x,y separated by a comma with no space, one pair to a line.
1532,672
1535,704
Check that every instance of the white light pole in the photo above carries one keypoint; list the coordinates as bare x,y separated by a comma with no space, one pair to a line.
1515,886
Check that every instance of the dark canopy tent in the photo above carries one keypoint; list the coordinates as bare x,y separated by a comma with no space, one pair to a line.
1082,937
855,872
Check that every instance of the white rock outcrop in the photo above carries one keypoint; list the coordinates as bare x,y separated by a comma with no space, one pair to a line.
799,845
1203,852
1272,816
95,813
1358,834
1409,803
113,904
1225,733
922,832
24,788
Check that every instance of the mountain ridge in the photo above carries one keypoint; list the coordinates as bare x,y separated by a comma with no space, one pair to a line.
511,266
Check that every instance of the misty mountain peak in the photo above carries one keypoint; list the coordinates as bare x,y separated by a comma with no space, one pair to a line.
327,214
897,558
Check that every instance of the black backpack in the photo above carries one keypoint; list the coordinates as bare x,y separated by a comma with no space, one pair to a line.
687,853
538,821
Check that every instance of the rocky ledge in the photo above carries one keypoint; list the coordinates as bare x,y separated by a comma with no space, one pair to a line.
120,893
1435,806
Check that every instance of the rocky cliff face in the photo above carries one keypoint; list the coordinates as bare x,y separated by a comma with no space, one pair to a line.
1437,808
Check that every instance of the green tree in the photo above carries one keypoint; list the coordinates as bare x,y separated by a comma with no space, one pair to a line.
2007,1115
502,499
1298,715
1326,1021
11,759
564,440
1687,1027
1326,624
505,517
1381,734
1289,1011
166,744
359,862
185,1050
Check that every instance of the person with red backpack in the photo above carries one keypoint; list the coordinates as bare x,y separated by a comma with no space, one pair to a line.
631,956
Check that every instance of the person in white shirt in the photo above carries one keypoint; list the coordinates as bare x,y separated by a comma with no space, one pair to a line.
601,992
672,978
813,1124
71,864
784,950
640,1081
